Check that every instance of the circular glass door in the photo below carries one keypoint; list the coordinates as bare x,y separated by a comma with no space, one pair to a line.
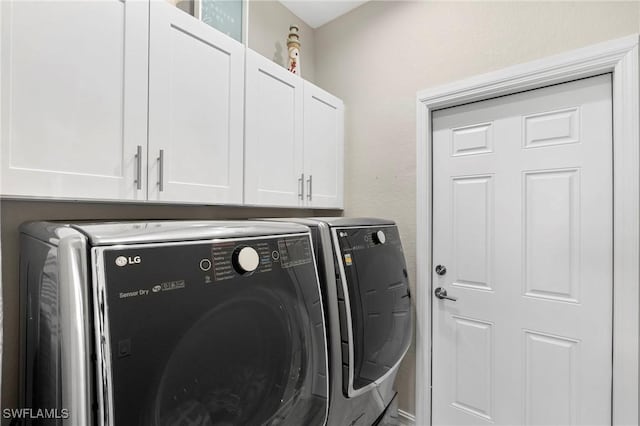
234,366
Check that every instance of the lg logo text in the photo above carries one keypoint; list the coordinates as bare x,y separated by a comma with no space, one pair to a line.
128,260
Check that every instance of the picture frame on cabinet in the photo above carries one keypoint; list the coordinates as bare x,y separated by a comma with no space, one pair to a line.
227,16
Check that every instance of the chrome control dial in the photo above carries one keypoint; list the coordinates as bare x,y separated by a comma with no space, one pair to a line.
246,260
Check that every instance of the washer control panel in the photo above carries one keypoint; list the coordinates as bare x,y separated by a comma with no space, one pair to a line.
232,258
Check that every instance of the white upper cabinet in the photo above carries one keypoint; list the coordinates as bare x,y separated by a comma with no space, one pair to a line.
137,100
323,148
294,139
196,93
274,134
74,99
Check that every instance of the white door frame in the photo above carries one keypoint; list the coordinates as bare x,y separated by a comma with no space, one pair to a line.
619,57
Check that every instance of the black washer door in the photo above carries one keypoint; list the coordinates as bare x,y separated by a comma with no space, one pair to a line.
379,299
197,343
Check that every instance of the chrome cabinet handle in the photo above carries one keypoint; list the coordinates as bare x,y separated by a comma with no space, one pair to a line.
310,192
161,171
441,293
138,180
301,186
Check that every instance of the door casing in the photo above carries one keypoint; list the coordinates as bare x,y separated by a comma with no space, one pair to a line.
619,57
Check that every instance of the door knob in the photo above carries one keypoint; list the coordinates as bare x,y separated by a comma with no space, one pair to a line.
441,293
441,270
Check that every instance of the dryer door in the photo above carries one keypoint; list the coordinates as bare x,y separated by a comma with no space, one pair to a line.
197,337
376,308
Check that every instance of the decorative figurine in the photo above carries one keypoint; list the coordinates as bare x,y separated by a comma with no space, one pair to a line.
293,43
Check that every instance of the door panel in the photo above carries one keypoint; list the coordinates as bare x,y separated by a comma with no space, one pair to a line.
274,145
551,234
78,70
472,231
552,128
523,223
195,110
470,140
550,388
473,367
323,147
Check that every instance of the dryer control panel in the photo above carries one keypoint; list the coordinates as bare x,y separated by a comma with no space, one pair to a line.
231,258
151,269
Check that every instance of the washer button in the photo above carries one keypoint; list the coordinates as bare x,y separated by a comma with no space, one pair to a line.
275,255
205,264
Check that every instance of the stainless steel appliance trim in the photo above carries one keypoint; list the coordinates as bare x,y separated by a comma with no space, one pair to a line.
75,343
350,222
347,303
103,341
111,233
310,192
103,359
325,336
365,226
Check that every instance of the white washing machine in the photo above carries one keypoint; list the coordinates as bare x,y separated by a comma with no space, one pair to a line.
172,323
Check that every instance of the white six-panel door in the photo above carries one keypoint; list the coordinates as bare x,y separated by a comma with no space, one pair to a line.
274,138
74,99
523,224
196,91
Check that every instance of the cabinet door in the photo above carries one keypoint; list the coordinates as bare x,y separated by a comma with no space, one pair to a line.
323,148
273,150
74,99
196,93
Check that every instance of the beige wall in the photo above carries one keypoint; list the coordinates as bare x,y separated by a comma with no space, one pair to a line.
377,56
268,30
13,213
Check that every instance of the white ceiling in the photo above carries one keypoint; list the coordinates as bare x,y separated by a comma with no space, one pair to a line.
316,13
